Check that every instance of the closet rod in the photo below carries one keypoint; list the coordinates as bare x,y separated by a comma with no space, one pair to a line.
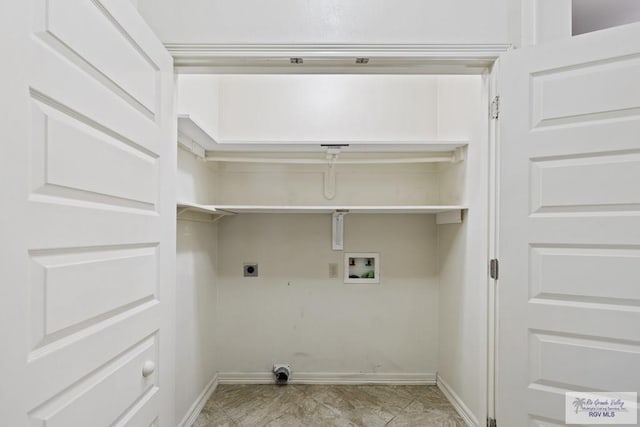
435,159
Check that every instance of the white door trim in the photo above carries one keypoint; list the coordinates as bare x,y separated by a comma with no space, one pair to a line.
384,58
493,233
472,59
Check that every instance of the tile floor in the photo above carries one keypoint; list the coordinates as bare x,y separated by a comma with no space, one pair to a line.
328,405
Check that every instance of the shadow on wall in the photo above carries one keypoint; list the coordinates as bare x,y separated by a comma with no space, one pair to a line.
593,15
196,253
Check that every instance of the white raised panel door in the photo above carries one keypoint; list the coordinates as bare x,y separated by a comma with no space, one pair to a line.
569,232
87,218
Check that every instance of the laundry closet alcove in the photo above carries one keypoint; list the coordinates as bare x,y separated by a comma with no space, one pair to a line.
266,163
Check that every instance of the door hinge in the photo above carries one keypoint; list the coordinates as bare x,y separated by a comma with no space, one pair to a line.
494,268
495,107
491,422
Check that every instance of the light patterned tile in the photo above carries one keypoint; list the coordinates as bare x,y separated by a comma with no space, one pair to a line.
213,404
328,405
356,404
432,397
311,413
210,417
429,418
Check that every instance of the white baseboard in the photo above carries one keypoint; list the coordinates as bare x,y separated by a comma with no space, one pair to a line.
457,403
328,378
196,408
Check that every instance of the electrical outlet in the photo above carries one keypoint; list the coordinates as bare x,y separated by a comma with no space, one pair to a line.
250,270
333,270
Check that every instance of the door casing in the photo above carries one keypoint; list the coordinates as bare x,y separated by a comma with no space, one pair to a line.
411,59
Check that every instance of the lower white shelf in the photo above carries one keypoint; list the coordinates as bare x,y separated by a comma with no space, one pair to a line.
339,208
446,214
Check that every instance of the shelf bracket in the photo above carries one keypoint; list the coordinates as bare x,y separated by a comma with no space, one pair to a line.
337,230
191,146
216,218
199,213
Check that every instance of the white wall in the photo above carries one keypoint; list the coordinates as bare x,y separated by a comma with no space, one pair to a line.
519,22
328,21
293,312
195,179
462,248
327,107
196,305
303,185
197,249
322,107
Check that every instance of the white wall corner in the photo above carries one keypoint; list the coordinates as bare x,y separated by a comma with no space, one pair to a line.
197,406
458,404
545,20
450,217
198,98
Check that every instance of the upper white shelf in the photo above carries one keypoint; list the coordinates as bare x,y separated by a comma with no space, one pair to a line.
188,127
